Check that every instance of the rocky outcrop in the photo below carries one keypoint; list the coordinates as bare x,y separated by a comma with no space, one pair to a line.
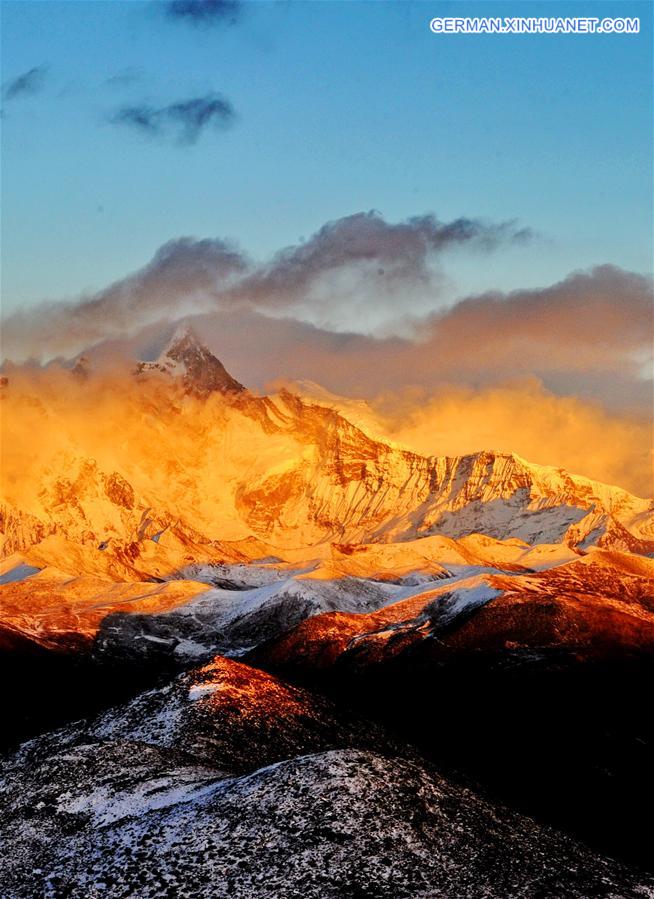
227,714
187,357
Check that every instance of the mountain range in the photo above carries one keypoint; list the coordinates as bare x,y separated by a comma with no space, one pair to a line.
389,611
207,457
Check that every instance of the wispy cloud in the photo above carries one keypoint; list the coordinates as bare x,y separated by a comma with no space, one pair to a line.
182,121
30,82
204,13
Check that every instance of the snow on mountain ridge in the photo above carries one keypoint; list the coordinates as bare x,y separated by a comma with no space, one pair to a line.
185,348
224,464
361,414
186,357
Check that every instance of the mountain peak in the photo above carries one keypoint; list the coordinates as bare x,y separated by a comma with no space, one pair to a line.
188,358
183,340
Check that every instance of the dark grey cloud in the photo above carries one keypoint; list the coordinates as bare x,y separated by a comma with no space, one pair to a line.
365,246
30,82
204,13
374,256
183,121
181,274
389,254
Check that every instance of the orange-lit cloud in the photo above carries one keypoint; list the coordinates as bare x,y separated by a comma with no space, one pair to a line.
521,417
526,419
559,375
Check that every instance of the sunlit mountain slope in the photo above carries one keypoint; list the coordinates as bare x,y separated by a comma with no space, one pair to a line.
179,448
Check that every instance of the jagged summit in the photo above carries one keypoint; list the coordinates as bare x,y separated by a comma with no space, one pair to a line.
186,357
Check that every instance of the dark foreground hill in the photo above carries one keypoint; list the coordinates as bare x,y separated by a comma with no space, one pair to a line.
167,797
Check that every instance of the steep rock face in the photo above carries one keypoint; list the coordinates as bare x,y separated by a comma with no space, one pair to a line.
19,530
188,358
348,486
197,455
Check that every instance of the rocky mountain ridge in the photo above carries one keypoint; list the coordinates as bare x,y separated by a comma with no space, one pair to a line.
496,614
186,357
189,452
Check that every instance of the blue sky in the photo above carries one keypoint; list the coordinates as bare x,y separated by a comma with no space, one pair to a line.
340,107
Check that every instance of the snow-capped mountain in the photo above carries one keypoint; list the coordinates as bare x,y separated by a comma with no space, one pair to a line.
169,514
197,458
253,512
186,357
